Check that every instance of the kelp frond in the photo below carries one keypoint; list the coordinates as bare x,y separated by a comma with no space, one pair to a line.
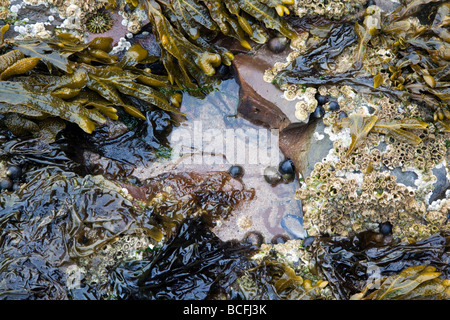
413,283
77,82
179,26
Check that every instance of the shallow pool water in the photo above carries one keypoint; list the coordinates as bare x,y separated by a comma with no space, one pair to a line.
213,138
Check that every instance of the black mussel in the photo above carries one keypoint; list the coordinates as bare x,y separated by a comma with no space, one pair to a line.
279,238
278,44
371,109
253,238
308,241
236,171
342,115
319,112
6,183
385,228
333,106
272,176
14,172
321,100
287,170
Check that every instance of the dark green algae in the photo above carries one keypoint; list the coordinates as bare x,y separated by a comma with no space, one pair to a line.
59,217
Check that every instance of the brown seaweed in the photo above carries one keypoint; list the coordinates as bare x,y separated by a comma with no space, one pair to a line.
360,126
188,56
350,264
66,91
275,280
413,283
194,265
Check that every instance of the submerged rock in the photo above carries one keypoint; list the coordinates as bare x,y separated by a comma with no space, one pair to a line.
293,226
261,102
351,263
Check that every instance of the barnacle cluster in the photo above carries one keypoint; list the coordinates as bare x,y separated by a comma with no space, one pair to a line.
330,9
306,101
86,6
353,191
4,9
94,268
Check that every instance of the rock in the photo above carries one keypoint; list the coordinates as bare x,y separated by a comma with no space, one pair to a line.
261,102
387,5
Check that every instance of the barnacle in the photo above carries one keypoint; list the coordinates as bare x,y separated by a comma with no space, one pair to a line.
99,22
336,10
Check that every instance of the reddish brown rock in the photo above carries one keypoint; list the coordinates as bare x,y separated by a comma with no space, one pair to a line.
261,102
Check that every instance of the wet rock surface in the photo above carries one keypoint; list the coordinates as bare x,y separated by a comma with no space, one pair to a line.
265,106
207,206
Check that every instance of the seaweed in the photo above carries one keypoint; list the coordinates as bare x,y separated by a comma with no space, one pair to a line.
316,60
77,82
57,219
60,72
413,283
188,56
275,280
58,216
194,265
420,63
418,70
